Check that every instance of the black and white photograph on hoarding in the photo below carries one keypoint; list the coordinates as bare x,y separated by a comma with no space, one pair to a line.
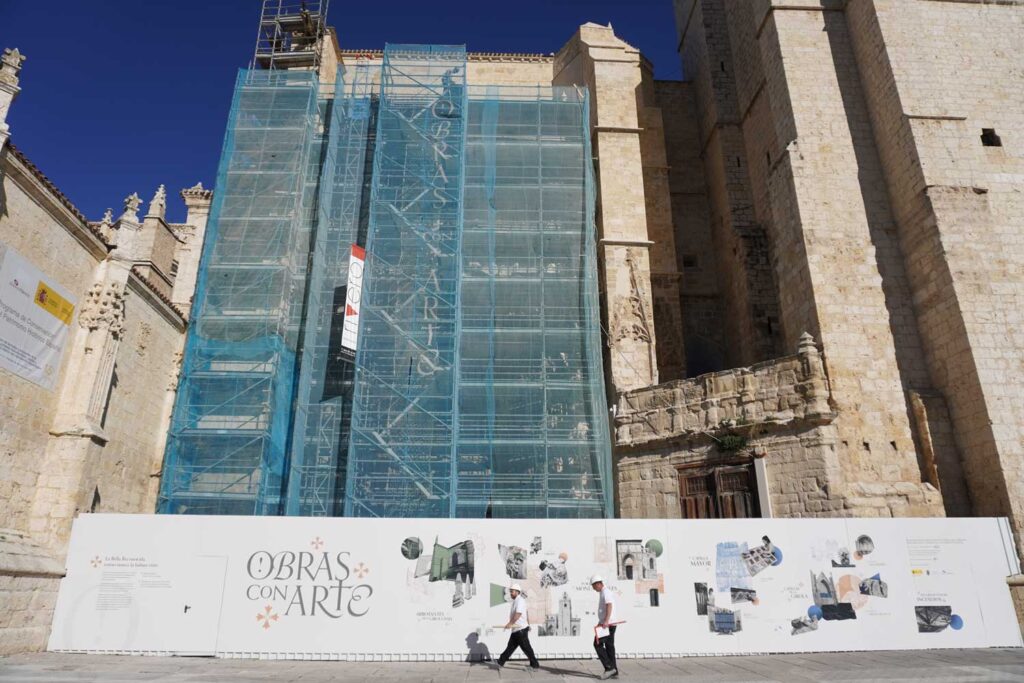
864,546
843,558
514,558
554,572
743,595
874,587
704,597
933,618
804,625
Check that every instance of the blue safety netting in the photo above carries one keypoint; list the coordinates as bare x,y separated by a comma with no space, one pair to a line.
227,444
477,388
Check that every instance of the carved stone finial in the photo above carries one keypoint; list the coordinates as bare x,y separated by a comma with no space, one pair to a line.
158,205
806,344
197,194
131,208
10,65
104,308
108,217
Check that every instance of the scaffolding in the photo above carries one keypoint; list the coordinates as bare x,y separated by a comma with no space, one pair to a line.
404,413
227,441
319,447
291,34
477,387
533,435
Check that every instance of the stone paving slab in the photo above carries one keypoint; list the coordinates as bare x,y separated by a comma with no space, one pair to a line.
935,666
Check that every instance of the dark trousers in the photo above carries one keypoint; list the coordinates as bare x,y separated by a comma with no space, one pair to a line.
606,649
520,639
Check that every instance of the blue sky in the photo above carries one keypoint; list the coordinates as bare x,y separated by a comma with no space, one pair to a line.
119,96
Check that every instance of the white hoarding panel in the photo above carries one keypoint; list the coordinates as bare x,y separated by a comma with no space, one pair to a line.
35,318
353,297
426,589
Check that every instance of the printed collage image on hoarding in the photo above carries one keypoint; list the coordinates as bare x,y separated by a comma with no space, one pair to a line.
238,586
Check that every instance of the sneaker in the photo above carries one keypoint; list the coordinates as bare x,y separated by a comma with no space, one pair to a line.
609,673
498,663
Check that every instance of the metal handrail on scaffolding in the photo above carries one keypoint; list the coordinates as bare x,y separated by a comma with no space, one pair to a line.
291,34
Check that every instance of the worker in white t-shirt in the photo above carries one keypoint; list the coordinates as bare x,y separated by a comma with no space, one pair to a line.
519,623
604,640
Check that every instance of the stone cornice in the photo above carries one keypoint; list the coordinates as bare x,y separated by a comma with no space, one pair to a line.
39,187
160,302
534,57
775,394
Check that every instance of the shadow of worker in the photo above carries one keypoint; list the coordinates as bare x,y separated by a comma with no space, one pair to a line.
478,651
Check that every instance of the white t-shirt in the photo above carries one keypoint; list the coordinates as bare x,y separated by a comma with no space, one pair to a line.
519,605
606,598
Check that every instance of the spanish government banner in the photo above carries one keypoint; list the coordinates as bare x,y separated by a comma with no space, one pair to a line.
422,589
35,319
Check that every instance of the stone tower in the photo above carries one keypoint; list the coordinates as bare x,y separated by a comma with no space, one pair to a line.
862,179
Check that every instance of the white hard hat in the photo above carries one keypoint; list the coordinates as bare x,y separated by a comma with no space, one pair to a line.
596,578
516,587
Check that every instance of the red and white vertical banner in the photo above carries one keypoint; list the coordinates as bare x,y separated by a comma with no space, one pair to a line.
353,297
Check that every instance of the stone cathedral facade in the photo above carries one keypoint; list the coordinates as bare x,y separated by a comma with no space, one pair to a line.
811,274
846,186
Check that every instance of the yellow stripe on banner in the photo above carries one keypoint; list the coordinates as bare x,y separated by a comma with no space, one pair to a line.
53,303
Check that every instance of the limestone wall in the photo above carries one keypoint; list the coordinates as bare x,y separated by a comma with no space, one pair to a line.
95,442
146,372
701,302
783,412
937,74
833,203
742,252
612,71
46,234
781,95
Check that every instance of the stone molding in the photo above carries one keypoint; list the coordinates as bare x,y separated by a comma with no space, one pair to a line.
779,392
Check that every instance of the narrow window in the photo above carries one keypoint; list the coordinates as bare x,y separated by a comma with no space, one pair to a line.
989,138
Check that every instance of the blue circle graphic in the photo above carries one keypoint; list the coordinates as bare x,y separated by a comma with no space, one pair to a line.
814,612
778,557
956,622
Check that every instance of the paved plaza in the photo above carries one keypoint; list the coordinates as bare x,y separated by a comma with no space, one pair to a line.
935,666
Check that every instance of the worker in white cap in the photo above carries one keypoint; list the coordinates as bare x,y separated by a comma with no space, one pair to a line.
604,632
520,625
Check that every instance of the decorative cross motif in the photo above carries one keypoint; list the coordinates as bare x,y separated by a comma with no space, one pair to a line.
96,562
317,543
266,616
361,570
